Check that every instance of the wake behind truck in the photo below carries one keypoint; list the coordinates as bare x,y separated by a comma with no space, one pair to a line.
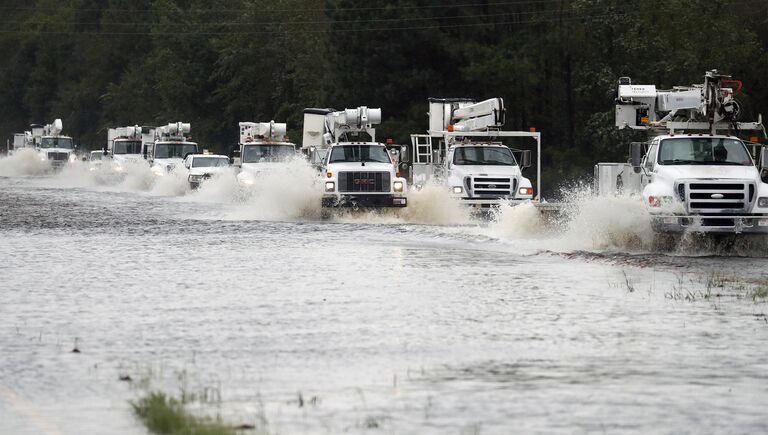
463,150
357,170
47,140
694,173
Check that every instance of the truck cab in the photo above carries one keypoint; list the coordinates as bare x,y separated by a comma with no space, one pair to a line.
704,182
485,174
51,146
201,167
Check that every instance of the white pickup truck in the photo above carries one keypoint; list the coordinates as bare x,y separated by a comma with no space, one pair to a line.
201,167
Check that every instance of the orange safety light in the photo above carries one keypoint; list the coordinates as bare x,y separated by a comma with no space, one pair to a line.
397,174
754,139
329,174
450,127
390,142
532,129
644,120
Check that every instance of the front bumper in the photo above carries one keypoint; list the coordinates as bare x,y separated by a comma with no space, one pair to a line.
710,224
364,200
491,202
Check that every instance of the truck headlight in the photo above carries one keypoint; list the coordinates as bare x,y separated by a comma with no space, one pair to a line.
158,171
457,189
330,186
525,191
397,186
762,202
195,178
72,158
658,201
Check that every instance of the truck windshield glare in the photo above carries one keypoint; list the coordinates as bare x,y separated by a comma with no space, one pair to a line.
56,142
359,153
127,147
209,162
484,156
267,153
703,151
171,150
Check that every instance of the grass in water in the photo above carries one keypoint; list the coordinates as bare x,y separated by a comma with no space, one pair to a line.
166,416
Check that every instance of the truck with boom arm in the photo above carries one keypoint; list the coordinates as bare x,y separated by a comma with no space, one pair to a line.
166,147
695,172
357,170
463,150
262,147
49,143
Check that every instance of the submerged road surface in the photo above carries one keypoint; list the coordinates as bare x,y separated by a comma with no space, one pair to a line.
363,324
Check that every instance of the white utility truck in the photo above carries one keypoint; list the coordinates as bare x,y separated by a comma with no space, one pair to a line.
358,171
201,167
263,146
48,142
463,151
124,144
694,173
169,147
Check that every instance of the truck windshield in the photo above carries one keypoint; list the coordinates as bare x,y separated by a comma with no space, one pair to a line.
56,142
97,155
267,153
483,155
127,147
703,151
174,149
209,162
359,153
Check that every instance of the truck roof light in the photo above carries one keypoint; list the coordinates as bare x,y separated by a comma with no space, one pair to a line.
450,127
532,129
390,142
329,174
754,139
644,120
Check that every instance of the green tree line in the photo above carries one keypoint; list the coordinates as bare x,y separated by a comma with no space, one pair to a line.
103,63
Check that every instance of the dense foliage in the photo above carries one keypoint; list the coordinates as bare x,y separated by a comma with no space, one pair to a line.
102,63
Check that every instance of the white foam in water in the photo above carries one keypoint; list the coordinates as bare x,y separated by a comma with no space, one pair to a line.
283,192
24,162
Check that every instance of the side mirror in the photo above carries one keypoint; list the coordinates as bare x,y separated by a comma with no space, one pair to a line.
404,153
764,157
636,151
525,159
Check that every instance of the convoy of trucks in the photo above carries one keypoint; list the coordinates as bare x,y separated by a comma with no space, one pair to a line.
695,172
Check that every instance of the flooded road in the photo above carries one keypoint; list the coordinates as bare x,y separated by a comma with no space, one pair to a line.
424,322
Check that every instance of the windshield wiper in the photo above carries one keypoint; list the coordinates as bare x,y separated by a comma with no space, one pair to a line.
728,163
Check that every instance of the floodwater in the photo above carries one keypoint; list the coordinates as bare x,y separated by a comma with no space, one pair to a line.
420,321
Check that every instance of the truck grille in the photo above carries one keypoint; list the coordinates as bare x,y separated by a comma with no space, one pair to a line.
57,156
364,181
490,187
714,197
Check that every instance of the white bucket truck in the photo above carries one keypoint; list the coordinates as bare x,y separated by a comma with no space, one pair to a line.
263,146
463,151
694,173
169,147
47,140
357,170
124,145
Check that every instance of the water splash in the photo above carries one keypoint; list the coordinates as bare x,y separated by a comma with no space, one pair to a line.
24,162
